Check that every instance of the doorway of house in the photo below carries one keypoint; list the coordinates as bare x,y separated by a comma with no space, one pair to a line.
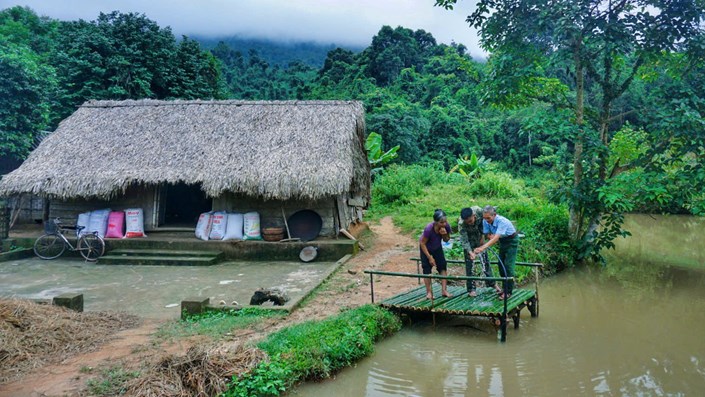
184,203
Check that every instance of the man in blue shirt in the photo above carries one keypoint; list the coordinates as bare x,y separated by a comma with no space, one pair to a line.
499,228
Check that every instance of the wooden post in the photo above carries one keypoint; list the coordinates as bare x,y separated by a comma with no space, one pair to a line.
503,321
372,287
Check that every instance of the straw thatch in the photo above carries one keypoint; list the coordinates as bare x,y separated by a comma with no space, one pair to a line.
274,149
32,335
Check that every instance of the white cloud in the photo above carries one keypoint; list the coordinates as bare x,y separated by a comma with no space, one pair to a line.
325,21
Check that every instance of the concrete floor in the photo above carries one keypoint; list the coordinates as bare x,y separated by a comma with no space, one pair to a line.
156,291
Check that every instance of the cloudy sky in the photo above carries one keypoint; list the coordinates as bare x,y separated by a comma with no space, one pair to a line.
326,21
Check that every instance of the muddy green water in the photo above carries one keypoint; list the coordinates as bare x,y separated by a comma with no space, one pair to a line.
633,328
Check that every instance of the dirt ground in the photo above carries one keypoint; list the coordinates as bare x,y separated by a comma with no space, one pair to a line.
385,249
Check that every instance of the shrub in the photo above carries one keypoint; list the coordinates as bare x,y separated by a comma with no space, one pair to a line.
498,184
401,184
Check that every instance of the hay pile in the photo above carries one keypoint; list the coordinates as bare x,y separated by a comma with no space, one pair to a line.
33,335
201,372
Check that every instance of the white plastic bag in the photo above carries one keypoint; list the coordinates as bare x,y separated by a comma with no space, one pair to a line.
252,231
219,223
83,220
203,227
98,222
234,228
134,223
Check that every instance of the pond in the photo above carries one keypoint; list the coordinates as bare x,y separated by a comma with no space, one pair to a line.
633,328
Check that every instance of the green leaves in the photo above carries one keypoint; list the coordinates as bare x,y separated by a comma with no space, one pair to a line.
25,87
470,166
377,158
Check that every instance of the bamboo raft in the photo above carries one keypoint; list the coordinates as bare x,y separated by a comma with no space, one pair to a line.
485,304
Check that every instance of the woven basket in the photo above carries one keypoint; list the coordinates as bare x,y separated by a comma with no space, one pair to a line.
273,237
272,230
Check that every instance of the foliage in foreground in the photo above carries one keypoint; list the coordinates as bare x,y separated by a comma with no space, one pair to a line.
545,225
315,350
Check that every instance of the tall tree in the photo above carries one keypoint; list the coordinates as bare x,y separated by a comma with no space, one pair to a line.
605,42
128,56
27,81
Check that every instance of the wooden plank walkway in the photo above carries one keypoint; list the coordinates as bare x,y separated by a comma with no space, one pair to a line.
486,303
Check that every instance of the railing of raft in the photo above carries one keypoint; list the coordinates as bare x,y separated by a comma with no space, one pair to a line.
419,276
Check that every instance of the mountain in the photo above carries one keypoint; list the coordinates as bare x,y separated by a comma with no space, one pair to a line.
278,53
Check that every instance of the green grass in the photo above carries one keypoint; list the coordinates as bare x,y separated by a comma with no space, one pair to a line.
544,224
315,350
112,381
215,324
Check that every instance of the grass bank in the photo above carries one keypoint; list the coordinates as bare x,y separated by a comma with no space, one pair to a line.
410,194
315,350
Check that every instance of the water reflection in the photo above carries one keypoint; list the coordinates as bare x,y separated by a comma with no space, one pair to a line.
632,328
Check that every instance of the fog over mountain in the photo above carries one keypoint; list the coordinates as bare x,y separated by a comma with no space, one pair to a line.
341,22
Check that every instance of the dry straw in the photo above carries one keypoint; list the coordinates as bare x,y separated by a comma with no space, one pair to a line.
201,372
33,335
268,149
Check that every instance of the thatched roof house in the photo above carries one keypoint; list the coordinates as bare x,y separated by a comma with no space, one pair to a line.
263,150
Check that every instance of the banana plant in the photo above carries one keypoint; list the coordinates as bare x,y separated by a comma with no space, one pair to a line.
470,166
376,157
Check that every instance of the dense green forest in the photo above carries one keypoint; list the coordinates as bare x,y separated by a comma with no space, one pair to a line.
598,106
277,53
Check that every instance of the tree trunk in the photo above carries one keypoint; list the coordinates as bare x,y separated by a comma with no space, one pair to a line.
575,222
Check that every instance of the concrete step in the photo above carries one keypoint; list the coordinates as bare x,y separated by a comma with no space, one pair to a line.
163,252
161,257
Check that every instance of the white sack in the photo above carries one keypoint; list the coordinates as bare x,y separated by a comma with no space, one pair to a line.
234,228
98,222
83,220
134,223
203,227
219,222
251,229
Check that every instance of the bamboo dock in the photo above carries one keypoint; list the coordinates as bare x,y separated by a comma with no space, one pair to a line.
486,304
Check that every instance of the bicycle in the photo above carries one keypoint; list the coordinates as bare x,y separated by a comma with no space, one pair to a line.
54,242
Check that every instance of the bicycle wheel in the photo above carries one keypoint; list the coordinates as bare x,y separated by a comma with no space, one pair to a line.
91,247
49,246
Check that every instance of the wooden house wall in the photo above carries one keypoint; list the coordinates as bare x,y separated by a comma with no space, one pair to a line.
270,211
336,212
30,207
136,197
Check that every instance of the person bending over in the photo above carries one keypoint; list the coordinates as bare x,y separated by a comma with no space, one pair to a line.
471,237
431,247
499,228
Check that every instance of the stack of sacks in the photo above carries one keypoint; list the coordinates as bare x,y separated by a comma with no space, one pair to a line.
112,224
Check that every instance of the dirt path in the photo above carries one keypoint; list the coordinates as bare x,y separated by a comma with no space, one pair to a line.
349,287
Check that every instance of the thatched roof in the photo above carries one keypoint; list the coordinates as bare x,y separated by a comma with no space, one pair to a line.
269,149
